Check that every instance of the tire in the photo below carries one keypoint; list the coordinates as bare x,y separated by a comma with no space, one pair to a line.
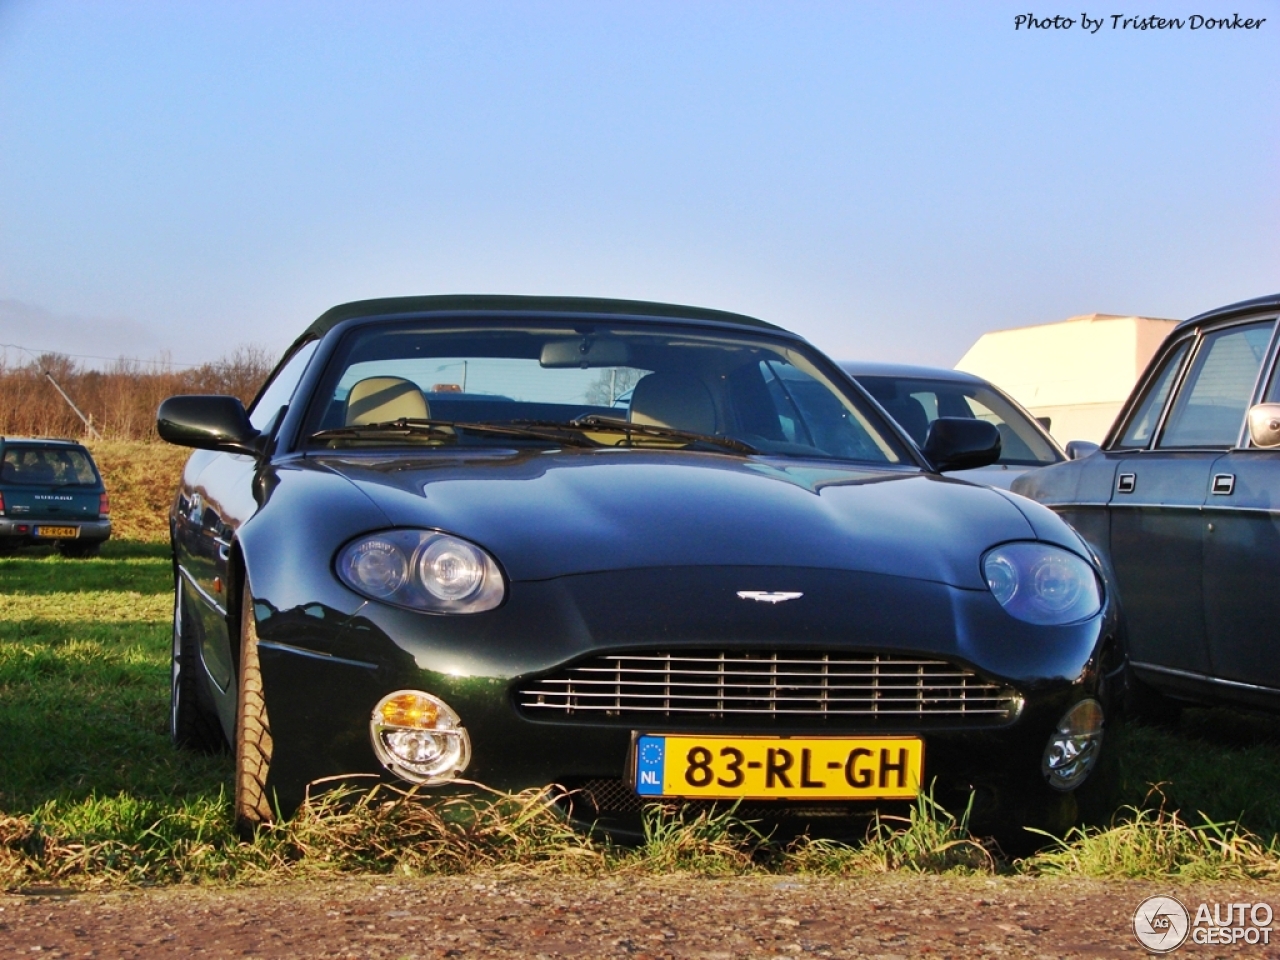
73,550
253,745
193,722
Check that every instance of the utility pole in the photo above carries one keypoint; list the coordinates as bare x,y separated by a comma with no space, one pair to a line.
87,422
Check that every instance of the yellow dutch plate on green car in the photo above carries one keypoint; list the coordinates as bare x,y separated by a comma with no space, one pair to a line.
778,768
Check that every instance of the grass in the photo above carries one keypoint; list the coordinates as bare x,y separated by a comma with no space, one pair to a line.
91,791
140,478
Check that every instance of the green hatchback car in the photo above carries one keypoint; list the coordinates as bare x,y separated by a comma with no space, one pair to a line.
51,492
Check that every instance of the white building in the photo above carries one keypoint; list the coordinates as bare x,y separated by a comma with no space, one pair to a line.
1077,372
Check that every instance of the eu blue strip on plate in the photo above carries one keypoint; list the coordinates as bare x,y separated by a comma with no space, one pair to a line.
650,752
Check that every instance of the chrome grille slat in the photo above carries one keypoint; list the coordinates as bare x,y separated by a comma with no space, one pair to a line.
955,684
716,686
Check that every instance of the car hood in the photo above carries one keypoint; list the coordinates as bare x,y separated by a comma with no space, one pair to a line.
547,514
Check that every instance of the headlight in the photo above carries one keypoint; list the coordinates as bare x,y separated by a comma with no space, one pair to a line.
422,570
1041,583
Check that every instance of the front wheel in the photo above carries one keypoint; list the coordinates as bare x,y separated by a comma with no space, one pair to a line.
253,745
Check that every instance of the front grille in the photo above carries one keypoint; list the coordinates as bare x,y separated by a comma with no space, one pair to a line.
602,797
767,686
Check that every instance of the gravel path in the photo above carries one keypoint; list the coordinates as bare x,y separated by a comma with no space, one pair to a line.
615,916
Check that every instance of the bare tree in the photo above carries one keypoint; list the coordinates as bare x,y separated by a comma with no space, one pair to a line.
613,383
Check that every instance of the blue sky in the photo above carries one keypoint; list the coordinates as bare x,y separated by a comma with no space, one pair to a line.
889,179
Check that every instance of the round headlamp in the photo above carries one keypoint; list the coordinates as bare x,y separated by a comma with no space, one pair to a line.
422,570
1041,583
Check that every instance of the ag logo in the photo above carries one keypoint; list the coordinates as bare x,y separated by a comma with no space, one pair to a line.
1161,924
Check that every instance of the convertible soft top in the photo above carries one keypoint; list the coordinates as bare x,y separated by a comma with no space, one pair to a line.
473,303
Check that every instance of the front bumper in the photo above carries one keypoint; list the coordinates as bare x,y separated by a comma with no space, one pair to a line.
324,669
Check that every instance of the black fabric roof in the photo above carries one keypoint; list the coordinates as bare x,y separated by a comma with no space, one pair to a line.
471,303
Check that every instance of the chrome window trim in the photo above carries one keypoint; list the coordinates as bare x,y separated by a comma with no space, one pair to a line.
1265,373
1119,429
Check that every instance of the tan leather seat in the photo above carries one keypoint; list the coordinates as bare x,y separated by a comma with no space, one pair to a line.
379,399
676,400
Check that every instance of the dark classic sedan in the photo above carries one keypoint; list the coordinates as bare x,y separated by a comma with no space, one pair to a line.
1183,499
440,549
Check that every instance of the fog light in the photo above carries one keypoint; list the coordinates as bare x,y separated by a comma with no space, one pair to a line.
418,737
1074,747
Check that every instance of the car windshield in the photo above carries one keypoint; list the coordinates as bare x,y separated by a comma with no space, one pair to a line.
589,384
59,466
916,403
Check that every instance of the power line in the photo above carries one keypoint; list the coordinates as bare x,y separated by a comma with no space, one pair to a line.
35,353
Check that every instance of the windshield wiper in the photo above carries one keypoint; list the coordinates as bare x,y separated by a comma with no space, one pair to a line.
447,429
602,424
388,428
568,432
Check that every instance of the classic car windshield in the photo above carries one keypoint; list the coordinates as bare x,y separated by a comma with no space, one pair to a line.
765,395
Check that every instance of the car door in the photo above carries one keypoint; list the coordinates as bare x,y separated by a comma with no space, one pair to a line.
1157,502
1241,554
212,505
1154,529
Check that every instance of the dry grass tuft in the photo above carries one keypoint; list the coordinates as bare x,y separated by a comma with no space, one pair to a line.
387,830
707,842
929,840
1146,842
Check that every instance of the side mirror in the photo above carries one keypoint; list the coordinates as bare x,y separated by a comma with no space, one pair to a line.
1264,425
207,423
958,443
1079,449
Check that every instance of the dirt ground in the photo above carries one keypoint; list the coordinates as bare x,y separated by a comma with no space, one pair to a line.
614,916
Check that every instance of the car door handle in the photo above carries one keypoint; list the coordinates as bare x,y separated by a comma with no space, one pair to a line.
1223,484
1126,483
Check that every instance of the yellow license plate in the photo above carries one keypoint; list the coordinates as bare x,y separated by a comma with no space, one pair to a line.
57,531
787,768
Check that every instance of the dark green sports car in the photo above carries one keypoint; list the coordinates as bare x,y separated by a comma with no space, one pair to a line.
647,552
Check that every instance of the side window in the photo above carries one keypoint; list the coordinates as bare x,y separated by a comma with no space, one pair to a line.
279,391
1142,425
1209,409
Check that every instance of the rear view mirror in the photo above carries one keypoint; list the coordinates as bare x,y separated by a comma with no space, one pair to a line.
958,443
585,352
1264,425
207,423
